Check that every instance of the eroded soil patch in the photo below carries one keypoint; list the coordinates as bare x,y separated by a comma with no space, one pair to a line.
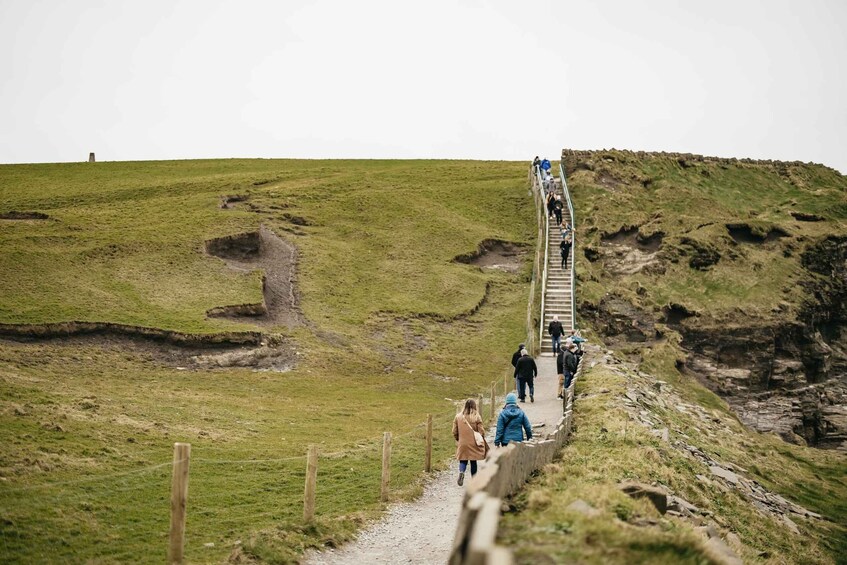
269,354
228,202
16,215
627,251
742,233
495,254
277,259
675,314
804,217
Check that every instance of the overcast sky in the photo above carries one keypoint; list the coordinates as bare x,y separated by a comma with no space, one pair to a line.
472,79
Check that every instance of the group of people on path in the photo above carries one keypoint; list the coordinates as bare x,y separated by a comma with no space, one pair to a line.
469,432
567,354
554,208
513,425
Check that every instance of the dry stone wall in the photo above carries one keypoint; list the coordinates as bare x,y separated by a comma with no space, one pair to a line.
574,159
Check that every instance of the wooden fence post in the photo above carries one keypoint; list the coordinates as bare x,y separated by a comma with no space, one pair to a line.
428,462
311,484
179,499
386,466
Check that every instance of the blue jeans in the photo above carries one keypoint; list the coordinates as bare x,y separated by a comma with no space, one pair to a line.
463,465
568,378
557,343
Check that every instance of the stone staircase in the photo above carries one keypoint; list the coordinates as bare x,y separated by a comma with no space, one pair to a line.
557,295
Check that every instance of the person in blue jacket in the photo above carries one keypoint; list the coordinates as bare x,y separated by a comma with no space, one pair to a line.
512,423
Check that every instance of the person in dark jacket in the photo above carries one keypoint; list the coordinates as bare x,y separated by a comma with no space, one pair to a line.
517,354
512,423
560,371
565,248
569,364
525,373
515,357
551,200
557,210
556,332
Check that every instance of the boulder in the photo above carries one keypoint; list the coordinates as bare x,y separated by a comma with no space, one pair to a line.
657,496
581,507
725,474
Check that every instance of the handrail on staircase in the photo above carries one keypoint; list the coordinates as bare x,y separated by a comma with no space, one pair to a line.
539,184
573,244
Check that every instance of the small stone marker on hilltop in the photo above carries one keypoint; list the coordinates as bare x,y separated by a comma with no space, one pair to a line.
91,157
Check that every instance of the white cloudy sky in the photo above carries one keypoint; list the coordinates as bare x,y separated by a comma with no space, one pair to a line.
496,79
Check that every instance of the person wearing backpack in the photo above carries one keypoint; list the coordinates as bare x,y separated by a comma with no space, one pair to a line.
468,450
512,423
556,332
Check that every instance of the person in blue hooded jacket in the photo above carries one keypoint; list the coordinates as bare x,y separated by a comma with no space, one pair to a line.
512,423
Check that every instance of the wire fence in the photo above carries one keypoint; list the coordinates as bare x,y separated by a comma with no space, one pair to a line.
125,515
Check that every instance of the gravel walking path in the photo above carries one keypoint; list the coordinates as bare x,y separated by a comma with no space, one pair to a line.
421,531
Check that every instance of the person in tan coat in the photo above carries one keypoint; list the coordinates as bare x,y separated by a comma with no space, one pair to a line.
465,424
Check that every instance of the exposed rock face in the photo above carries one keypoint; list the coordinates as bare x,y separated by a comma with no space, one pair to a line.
786,376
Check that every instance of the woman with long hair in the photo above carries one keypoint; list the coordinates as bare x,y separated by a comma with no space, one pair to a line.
465,424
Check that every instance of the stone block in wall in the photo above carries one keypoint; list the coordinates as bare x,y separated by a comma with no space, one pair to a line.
483,480
467,518
481,540
500,556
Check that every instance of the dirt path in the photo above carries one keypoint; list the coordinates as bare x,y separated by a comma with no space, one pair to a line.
421,532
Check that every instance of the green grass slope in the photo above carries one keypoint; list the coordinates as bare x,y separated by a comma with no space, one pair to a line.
691,203
394,330
124,240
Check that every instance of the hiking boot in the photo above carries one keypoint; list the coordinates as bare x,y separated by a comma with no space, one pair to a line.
461,479
531,398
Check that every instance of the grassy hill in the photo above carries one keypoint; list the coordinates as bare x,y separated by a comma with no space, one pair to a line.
392,329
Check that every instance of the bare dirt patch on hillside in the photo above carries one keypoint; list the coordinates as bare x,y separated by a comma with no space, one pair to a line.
272,353
627,251
742,233
495,254
16,215
277,259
